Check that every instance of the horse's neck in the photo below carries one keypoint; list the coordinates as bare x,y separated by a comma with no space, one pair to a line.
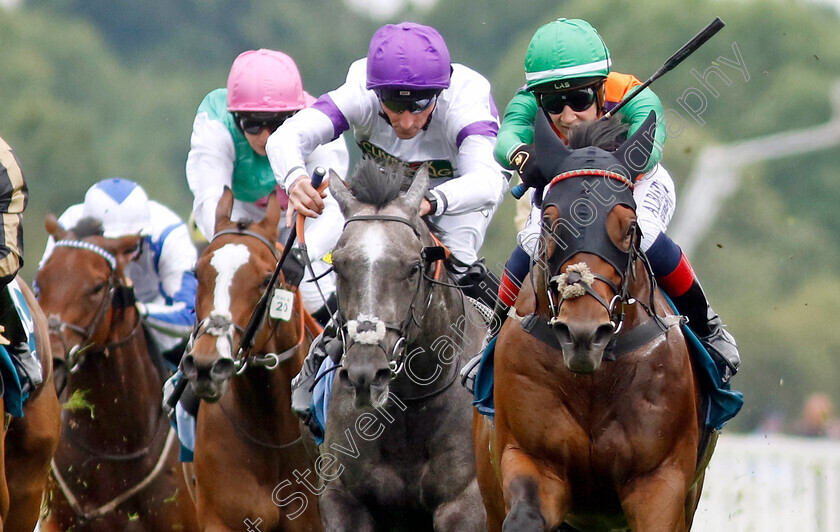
121,381
267,392
640,287
446,334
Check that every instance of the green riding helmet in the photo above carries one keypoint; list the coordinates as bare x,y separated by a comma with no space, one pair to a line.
565,54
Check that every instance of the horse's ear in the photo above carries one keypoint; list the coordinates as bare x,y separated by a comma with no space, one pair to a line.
54,228
418,188
223,209
550,150
342,194
272,214
634,154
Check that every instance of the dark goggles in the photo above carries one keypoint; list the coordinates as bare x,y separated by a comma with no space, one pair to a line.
400,104
253,125
578,99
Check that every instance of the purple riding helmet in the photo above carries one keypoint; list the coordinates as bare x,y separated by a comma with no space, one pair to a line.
408,56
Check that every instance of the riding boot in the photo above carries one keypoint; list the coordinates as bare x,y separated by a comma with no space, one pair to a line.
709,328
479,283
17,342
470,370
328,343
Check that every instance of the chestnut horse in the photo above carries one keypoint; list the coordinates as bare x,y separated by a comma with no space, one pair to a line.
29,441
598,415
249,446
117,465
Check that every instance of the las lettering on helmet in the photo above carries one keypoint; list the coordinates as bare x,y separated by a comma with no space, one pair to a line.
565,54
121,205
265,81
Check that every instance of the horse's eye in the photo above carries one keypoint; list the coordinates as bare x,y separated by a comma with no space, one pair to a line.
415,268
98,289
266,281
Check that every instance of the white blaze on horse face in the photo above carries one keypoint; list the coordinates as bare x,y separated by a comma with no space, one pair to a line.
374,240
226,260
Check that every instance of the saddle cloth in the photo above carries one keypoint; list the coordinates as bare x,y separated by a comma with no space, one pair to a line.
20,367
722,402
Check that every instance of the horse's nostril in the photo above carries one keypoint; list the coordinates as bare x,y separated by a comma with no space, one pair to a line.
221,369
563,333
382,378
344,378
188,366
603,335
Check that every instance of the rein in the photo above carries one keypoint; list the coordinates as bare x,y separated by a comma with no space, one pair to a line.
110,506
221,326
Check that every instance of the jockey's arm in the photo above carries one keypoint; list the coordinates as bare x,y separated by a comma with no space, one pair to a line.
13,196
209,169
287,150
481,183
618,86
517,126
174,315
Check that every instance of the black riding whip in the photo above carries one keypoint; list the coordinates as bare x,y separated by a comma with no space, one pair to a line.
247,339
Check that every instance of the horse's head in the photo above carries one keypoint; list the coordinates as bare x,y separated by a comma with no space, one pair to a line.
590,238
83,291
380,267
233,272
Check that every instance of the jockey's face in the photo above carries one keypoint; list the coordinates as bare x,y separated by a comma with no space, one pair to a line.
258,141
407,124
258,126
568,117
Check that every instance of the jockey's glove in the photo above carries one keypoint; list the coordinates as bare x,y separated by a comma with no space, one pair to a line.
523,161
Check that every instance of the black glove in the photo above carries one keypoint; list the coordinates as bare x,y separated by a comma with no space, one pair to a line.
523,160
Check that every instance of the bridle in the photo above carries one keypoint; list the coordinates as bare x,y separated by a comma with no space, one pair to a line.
578,279
373,329
224,327
117,294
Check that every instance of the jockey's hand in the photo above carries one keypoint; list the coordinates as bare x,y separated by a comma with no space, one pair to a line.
529,172
305,199
425,207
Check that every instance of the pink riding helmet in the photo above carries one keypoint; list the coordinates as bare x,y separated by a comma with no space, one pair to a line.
265,81
408,55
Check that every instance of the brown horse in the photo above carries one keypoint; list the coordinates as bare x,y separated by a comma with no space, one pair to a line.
249,447
29,441
598,414
117,465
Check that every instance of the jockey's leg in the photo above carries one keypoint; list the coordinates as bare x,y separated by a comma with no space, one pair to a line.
463,235
516,269
328,343
17,326
676,277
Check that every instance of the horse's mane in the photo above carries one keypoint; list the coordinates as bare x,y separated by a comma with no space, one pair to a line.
376,184
605,134
87,226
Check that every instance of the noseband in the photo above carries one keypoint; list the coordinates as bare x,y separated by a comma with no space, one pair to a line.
589,235
116,291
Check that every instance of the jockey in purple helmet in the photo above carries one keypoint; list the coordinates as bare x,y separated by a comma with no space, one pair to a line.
406,102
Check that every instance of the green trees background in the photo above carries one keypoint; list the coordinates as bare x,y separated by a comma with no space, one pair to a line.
91,89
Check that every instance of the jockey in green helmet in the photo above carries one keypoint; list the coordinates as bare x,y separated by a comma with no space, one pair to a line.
568,77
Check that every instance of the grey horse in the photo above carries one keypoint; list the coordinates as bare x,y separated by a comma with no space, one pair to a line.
398,437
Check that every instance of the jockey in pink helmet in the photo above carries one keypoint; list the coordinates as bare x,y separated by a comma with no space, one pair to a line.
227,148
